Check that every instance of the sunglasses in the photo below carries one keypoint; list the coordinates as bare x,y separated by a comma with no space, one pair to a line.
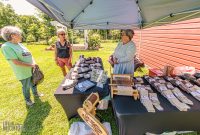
17,34
123,34
62,34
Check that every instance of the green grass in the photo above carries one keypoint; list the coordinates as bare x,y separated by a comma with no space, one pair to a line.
46,117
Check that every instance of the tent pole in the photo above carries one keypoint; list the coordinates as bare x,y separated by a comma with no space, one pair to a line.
140,42
54,8
83,10
180,13
186,17
158,21
86,39
50,9
148,25
141,24
72,44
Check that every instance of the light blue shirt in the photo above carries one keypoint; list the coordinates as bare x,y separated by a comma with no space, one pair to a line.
125,55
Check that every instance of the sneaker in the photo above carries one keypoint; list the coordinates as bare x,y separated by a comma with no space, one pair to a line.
39,95
29,103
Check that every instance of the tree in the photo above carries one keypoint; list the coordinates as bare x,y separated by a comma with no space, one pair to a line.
29,25
30,38
7,15
74,35
46,29
94,41
115,34
34,30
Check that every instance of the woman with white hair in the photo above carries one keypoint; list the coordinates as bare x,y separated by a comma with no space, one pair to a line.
123,57
20,59
63,52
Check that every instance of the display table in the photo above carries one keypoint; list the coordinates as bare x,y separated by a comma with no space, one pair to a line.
71,99
133,119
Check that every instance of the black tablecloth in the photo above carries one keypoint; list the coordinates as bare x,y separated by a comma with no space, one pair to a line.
71,99
133,118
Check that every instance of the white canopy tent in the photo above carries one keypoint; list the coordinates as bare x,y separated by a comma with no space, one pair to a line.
117,14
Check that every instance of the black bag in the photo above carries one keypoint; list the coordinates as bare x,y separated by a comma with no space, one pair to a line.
37,75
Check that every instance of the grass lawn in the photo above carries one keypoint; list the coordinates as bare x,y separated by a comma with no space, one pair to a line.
47,116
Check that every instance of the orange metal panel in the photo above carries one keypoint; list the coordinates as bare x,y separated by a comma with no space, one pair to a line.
169,59
177,36
168,48
175,41
177,44
169,53
172,45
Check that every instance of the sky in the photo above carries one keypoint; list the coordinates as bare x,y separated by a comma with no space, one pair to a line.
21,7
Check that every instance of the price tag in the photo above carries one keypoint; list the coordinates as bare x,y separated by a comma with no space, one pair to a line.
179,94
156,84
100,85
141,88
161,81
139,79
194,93
162,88
144,97
151,80
170,86
198,94
188,85
169,78
80,85
178,82
154,98
170,96
198,91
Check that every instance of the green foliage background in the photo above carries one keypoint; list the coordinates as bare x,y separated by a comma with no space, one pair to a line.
39,29
34,28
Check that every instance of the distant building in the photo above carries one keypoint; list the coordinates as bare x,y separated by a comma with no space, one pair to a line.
58,25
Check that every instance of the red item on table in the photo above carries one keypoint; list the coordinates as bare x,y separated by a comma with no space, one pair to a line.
155,72
184,69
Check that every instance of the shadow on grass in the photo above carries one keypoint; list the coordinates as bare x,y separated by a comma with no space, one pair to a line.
33,124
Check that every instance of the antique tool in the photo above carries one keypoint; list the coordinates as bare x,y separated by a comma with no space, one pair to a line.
90,103
125,91
121,84
122,79
88,112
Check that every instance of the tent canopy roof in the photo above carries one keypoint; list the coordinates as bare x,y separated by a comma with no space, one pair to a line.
118,14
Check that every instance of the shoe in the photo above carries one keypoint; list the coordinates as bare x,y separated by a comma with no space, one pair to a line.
29,103
39,95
